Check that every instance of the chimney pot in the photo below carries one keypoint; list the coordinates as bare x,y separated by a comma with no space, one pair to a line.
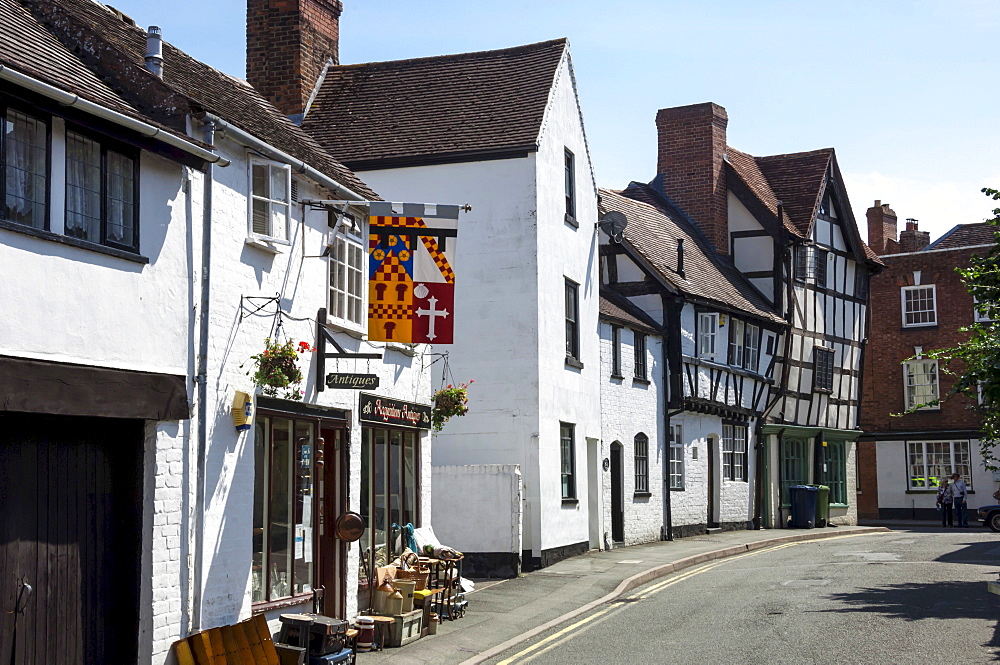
154,50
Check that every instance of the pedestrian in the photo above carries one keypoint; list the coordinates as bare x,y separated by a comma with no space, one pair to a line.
959,492
944,500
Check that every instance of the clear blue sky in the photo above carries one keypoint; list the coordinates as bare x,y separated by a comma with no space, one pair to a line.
905,91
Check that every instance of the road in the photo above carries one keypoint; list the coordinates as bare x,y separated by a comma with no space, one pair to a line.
894,598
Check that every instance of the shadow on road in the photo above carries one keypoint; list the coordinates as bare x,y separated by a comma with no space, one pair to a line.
938,600
981,553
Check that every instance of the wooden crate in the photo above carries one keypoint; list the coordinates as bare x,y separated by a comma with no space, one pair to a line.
405,629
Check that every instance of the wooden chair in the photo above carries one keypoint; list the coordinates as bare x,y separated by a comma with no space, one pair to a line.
245,643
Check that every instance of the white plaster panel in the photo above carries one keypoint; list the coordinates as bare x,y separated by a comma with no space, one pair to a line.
478,507
741,219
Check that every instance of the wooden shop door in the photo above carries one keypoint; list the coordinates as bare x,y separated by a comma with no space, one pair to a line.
70,529
331,552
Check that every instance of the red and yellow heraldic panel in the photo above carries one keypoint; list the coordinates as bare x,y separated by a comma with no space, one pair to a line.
411,285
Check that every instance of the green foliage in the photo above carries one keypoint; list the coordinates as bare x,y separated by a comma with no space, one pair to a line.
449,402
276,368
975,363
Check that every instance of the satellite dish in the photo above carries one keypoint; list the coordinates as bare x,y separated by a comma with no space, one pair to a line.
613,223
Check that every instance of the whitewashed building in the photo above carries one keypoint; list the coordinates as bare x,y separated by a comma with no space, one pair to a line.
503,131
155,236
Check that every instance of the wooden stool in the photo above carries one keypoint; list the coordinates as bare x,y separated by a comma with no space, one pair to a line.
382,625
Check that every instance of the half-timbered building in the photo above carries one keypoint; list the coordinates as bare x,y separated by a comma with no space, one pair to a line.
786,223
717,362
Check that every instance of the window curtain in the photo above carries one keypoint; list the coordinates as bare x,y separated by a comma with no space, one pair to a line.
83,188
25,156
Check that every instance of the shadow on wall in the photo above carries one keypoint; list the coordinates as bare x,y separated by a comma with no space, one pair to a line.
937,600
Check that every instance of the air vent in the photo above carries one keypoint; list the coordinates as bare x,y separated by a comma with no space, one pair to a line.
295,190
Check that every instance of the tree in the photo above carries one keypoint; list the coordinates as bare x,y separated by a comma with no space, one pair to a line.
975,363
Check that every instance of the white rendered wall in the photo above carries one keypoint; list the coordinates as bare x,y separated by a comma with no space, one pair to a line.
893,481
566,394
514,252
629,407
478,507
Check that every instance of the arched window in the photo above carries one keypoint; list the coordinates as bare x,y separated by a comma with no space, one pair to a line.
641,460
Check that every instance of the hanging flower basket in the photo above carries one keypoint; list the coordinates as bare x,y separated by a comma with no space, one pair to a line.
449,402
277,368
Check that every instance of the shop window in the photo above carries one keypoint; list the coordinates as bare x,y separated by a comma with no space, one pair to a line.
932,461
641,461
836,471
284,483
24,146
567,460
676,458
734,452
390,487
794,465
921,384
101,193
919,306
270,199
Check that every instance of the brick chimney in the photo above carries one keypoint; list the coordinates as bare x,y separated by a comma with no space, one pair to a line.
690,158
289,43
882,229
912,240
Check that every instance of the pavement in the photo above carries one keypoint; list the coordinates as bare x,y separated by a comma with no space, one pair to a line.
502,615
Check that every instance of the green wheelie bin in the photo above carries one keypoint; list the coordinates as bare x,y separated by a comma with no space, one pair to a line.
822,505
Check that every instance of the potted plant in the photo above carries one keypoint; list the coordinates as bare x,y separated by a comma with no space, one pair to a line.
449,402
276,368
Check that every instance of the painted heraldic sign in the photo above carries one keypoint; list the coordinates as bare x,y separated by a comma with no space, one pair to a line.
411,285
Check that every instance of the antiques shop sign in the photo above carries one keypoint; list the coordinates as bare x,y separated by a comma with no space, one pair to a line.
351,381
386,411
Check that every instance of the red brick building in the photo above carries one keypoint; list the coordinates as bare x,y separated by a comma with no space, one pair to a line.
918,303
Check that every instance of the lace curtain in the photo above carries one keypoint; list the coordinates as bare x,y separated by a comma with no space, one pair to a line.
25,156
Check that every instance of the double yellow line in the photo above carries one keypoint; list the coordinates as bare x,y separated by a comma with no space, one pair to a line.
563,635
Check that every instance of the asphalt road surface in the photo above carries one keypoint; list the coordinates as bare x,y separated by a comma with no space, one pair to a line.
897,598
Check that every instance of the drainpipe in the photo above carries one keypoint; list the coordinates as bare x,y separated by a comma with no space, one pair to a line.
202,380
269,151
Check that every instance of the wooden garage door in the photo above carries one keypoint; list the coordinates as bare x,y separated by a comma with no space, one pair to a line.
70,516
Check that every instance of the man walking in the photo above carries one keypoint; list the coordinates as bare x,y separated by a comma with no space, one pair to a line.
958,493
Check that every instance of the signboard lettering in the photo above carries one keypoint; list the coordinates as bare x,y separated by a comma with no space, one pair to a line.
386,411
351,381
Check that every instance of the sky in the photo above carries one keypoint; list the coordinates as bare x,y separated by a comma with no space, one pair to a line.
903,90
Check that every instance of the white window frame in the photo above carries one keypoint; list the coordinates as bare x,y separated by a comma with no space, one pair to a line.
917,453
346,240
737,342
902,302
734,453
978,316
287,201
676,463
911,400
751,348
708,333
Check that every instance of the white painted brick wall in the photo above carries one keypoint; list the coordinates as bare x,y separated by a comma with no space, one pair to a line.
628,408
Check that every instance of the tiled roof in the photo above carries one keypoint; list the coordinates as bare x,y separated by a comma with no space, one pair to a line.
747,168
797,180
27,47
654,226
115,51
618,308
965,235
446,107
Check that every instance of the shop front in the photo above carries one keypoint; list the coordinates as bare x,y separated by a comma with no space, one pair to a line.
300,487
